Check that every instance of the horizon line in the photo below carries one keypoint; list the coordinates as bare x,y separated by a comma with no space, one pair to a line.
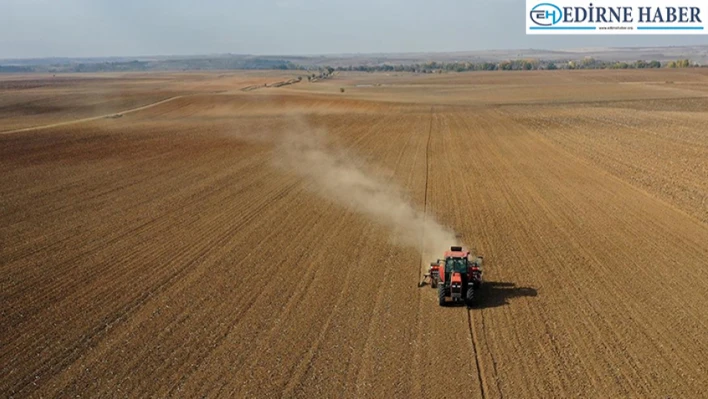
334,55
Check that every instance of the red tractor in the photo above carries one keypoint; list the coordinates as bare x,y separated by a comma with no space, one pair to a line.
457,276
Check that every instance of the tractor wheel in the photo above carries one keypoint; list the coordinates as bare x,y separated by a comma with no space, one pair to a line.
470,295
441,295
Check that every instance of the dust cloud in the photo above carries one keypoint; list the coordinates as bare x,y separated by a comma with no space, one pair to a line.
334,174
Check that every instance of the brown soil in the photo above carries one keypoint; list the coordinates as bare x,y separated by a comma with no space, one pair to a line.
163,254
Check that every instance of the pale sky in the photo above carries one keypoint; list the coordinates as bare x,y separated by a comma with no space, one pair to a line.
84,28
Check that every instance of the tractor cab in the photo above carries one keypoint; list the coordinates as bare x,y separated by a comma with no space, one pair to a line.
455,265
456,261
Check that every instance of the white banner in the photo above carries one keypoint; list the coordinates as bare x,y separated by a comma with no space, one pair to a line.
618,17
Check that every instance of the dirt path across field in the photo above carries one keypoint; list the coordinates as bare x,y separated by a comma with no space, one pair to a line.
93,118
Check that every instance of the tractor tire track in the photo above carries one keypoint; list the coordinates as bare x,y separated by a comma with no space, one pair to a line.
474,341
475,349
417,359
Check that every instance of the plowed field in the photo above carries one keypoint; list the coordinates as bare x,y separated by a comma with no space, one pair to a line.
268,243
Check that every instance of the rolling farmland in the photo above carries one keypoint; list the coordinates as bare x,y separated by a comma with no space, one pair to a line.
172,235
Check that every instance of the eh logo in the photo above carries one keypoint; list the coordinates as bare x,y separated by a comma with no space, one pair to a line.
546,14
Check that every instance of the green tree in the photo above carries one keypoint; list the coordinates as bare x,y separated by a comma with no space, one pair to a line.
588,62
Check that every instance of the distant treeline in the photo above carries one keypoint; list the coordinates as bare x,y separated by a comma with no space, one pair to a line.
14,69
196,64
517,65
226,63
